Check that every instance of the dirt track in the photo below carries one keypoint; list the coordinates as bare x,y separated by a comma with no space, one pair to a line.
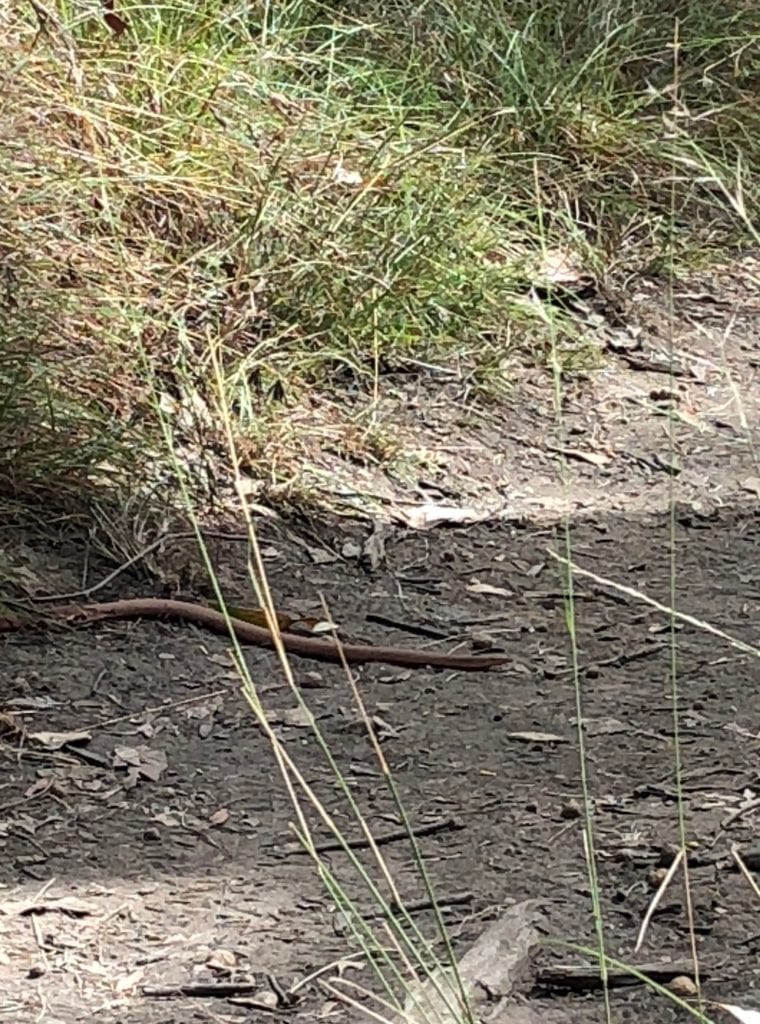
176,868
166,833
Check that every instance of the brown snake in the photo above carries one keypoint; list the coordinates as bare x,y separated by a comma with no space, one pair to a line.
249,633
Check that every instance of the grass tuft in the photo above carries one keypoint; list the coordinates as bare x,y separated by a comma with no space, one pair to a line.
326,194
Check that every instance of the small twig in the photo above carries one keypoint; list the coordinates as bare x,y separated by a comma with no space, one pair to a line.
581,977
201,990
25,837
339,965
728,821
285,997
623,658
657,897
638,595
742,866
407,627
39,940
157,709
251,1003
333,845
457,899
561,832
390,1013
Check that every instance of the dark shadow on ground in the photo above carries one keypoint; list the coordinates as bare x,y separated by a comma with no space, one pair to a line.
200,857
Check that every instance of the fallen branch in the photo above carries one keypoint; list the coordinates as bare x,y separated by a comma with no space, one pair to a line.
398,835
202,990
588,977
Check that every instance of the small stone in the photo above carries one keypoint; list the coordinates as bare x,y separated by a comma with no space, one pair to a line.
222,960
312,681
482,641
267,998
682,985
656,877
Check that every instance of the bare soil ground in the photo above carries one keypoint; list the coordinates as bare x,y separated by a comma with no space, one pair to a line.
152,876
158,851
686,364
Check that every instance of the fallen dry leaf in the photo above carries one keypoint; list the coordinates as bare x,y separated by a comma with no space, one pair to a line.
428,515
374,546
166,819
487,972
130,981
604,726
144,761
206,727
298,718
476,587
559,266
536,737
56,740
10,725
39,786
342,175
594,458
320,626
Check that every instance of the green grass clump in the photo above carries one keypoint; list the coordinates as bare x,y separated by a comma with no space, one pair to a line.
311,195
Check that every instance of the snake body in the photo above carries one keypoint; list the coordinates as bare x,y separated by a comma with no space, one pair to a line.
249,633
